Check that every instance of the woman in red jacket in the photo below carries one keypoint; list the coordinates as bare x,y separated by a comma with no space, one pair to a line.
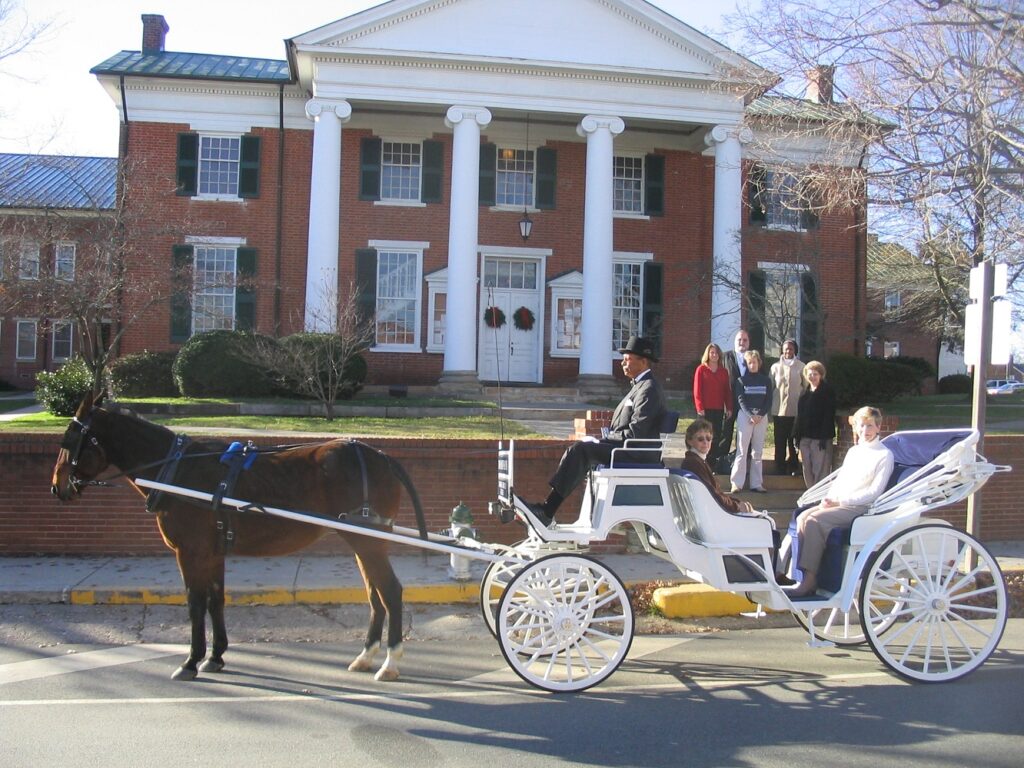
712,396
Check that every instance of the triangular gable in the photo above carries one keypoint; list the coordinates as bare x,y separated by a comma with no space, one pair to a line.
597,34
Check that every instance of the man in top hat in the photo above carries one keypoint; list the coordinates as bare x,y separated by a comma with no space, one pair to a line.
638,415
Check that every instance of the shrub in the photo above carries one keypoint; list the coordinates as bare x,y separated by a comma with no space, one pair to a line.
322,354
144,374
956,384
62,390
862,381
219,364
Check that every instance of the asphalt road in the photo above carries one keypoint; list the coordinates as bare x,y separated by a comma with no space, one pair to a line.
91,687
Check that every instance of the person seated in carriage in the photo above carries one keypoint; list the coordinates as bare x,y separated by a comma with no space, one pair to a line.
699,442
638,416
860,481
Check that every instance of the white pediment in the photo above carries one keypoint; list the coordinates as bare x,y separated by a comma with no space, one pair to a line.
621,35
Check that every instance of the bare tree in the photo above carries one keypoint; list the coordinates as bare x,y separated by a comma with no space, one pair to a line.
934,92
320,365
17,34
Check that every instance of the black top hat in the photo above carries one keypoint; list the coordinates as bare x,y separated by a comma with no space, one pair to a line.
638,345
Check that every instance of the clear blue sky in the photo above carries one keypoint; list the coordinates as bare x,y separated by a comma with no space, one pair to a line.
52,105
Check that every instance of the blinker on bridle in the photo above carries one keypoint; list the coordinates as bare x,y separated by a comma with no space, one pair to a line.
74,441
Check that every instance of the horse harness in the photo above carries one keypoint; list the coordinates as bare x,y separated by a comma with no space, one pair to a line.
237,457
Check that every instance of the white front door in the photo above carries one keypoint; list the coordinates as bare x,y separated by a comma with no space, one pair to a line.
509,351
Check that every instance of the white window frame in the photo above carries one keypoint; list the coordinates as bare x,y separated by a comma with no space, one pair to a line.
415,248
57,326
58,260
530,175
619,212
201,162
18,354
637,259
893,299
437,285
28,254
417,200
793,274
891,349
225,243
568,287
780,184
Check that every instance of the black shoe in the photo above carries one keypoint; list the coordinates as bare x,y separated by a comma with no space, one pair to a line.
540,512
783,580
758,490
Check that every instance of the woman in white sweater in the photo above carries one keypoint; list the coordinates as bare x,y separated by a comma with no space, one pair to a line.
860,481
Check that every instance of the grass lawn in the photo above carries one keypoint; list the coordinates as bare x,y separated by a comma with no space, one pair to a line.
14,403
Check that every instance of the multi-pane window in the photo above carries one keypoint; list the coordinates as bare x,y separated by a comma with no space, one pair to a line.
438,318
213,302
628,181
64,261
568,322
892,300
25,344
28,263
510,273
219,158
515,177
782,207
892,349
627,301
63,332
400,171
397,294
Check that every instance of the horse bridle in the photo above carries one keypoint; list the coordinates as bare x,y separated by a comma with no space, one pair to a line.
75,438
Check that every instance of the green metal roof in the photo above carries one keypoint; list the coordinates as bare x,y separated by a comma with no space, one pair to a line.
792,108
196,66
56,181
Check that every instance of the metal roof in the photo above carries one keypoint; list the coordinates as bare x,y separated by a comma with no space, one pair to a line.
774,105
57,181
196,66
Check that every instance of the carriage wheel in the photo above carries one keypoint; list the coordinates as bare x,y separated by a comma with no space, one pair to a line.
834,625
492,585
945,616
565,623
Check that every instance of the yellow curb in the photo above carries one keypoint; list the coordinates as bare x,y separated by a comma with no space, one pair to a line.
130,597
693,600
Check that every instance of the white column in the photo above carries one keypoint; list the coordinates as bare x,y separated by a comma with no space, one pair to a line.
596,329
727,281
324,213
461,321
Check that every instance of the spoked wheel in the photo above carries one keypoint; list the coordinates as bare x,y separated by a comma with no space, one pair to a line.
834,625
565,623
492,586
943,599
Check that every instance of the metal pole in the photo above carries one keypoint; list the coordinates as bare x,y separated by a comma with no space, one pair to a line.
988,272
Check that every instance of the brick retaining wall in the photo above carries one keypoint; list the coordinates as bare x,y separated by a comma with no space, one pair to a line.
113,521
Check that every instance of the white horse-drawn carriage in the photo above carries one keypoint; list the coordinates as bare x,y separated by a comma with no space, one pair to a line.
929,599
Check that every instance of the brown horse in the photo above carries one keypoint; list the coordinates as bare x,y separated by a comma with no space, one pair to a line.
333,479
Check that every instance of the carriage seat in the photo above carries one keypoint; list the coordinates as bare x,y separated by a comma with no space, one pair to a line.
651,446
912,451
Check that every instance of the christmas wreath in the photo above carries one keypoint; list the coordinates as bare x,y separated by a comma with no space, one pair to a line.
523,319
494,317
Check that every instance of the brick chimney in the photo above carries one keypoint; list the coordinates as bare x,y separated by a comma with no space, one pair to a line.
820,81
154,32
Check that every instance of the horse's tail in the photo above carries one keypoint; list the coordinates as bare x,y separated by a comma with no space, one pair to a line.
403,476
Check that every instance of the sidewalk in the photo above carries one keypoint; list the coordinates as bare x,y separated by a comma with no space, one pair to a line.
324,579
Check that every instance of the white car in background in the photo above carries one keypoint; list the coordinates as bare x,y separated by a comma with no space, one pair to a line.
1006,388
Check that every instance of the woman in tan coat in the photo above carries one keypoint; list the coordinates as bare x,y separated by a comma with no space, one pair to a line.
787,382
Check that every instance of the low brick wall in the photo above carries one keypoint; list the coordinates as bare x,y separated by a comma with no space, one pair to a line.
113,521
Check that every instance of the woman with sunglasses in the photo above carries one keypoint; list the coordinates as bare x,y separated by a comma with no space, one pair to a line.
699,437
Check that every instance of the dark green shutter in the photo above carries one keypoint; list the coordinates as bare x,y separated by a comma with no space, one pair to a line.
547,167
653,306
433,166
755,316
249,167
188,164
809,317
369,169
245,290
181,295
808,214
654,185
757,195
488,174
366,284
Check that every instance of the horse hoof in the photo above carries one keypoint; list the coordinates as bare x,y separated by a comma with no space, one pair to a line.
184,673
211,666
385,675
360,665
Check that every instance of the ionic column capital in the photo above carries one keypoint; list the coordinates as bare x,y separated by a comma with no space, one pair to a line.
458,113
593,123
722,133
316,107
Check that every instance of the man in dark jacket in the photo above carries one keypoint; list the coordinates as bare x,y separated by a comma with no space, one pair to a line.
733,362
638,415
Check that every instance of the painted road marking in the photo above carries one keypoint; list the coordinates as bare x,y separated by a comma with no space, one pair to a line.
20,671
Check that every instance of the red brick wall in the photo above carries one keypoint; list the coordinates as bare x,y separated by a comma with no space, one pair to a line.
113,521
681,239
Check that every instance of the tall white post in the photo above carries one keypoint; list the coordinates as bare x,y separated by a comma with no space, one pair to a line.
596,328
727,285
461,322
324,213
